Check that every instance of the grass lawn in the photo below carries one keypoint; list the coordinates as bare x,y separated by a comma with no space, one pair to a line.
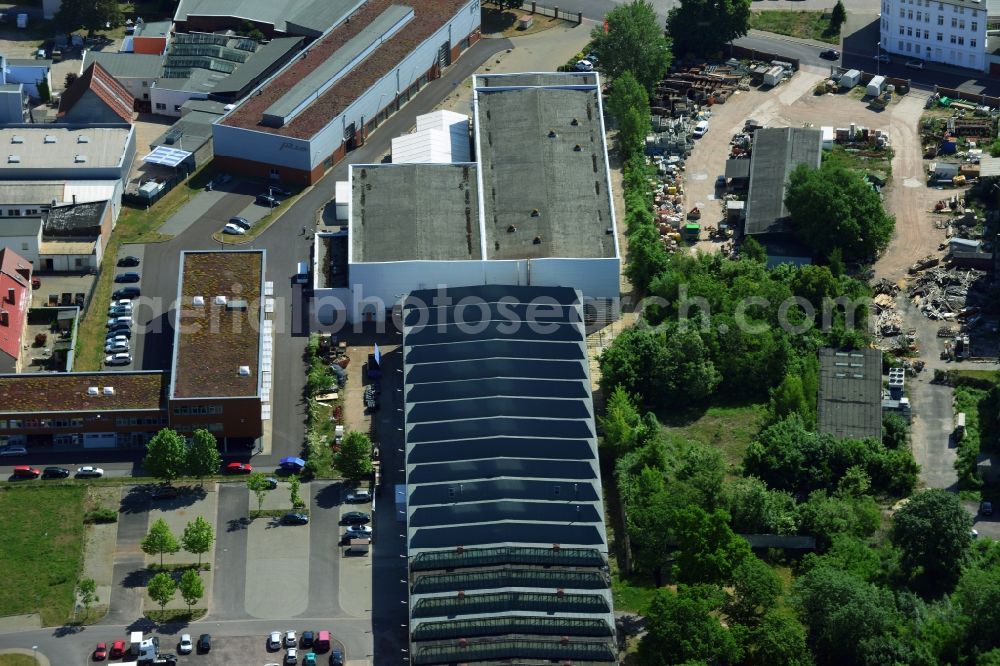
134,226
41,548
17,660
728,429
632,594
803,24
875,161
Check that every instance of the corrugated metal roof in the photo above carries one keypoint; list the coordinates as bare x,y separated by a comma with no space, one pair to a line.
989,167
850,393
776,153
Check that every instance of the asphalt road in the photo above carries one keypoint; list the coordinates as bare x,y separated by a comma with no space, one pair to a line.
229,584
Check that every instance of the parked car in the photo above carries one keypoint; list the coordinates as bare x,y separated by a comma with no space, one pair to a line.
292,657
117,310
127,277
915,64
266,200
55,473
358,531
240,222
830,54
322,641
13,450
116,348
128,261
120,329
272,482
701,129
239,468
274,641
295,519
883,58
185,646
165,660
91,472
205,643
986,508
126,292
584,66
122,319
121,358
359,496
355,518
233,230
101,652
336,658
309,659
26,472
114,338
290,639
306,639
117,650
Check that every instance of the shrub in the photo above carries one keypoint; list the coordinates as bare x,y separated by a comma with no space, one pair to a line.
101,516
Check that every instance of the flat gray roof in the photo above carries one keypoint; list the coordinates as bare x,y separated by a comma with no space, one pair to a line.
850,393
259,65
189,133
414,211
343,60
776,153
543,161
536,79
61,147
316,16
126,65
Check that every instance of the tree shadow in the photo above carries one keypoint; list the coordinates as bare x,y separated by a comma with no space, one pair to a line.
137,578
237,524
330,496
68,630
143,624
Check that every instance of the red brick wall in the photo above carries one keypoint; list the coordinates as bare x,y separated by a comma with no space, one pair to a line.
262,170
239,417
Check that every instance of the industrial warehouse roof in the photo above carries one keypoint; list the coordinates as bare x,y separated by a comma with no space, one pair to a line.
850,393
469,481
307,17
776,153
544,167
347,86
72,392
126,65
406,211
217,339
62,147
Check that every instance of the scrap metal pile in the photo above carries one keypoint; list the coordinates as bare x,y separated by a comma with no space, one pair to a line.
941,293
888,322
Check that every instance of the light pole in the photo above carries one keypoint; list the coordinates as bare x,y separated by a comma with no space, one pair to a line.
878,61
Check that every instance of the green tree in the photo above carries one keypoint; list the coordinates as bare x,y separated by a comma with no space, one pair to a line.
86,590
159,540
756,589
701,469
192,588
633,43
837,18
94,15
166,455
756,509
629,104
844,613
198,537
978,595
203,457
779,640
752,250
161,588
707,549
354,459
647,256
259,486
648,521
294,486
895,431
789,397
823,517
682,627
621,421
703,27
933,534
833,207
43,90
994,148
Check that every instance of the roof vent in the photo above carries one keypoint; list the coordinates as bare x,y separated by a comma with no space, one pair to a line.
80,159
552,134
109,390
537,240
220,300
50,138
244,371
574,122
17,139
198,300
83,139
13,159
237,304
534,212
92,390
511,229
577,148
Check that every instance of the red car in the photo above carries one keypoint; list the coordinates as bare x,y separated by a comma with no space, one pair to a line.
239,468
101,652
26,472
117,649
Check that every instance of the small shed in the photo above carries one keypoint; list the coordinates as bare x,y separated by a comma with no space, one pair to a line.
850,78
875,86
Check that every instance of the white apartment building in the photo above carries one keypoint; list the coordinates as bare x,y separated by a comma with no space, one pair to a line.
952,32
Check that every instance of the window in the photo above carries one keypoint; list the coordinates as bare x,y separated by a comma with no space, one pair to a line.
902,30
953,39
3,424
909,32
177,108
940,37
975,26
145,96
961,10
908,47
954,22
920,16
79,262
161,107
961,40
909,14
940,20
972,43
31,211
24,247
274,173
941,6
14,212
927,35
901,45
145,84
902,13
961,25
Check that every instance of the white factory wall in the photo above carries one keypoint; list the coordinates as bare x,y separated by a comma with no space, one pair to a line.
946,32
26,246
171,100
281,151
596,278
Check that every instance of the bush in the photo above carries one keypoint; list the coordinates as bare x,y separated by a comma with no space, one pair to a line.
40,339
101,516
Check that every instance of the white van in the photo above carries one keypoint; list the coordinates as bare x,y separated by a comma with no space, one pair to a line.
302,273
700,129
